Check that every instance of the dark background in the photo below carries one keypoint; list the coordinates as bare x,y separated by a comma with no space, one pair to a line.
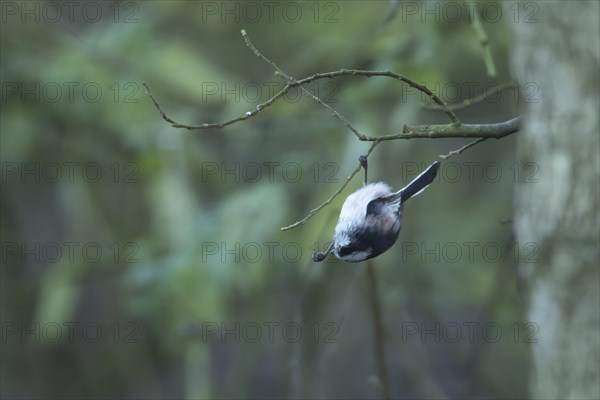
144,261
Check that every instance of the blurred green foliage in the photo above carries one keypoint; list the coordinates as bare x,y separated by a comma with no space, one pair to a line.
159,210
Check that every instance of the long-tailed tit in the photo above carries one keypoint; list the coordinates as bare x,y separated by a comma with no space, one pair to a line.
371,217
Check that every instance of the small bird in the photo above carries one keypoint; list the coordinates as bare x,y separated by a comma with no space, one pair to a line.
371,217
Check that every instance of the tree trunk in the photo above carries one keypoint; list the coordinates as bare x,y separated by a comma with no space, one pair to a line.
560,213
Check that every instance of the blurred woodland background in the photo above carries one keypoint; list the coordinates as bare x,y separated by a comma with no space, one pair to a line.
144,261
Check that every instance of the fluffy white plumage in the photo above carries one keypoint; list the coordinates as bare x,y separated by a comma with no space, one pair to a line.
371,217
356,203
353,218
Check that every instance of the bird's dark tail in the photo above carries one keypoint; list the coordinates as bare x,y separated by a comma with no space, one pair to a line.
420,182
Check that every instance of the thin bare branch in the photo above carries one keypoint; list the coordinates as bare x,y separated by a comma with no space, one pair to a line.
291,82
247,115
494,131
477,99
479,131
378,332
333,196
456,152
359,72
454,129
440,105
484,42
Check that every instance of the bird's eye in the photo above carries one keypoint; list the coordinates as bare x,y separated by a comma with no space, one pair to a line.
344,250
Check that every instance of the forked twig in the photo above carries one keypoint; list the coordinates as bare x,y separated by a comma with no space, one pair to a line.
455,129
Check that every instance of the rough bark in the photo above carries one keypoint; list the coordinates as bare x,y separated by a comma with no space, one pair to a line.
561,213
